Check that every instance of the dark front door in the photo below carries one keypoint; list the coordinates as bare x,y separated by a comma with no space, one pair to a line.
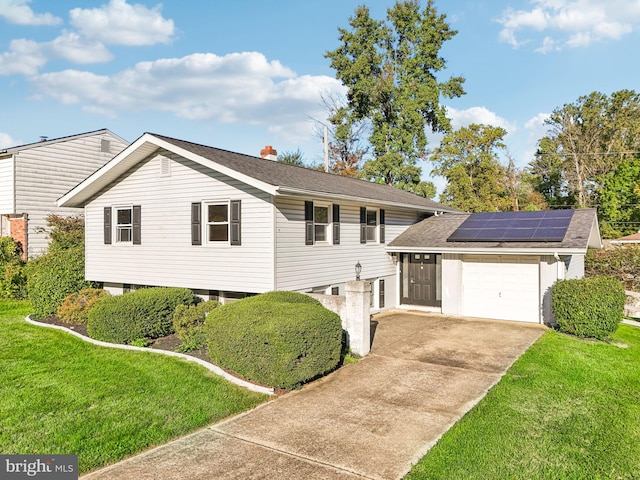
421,279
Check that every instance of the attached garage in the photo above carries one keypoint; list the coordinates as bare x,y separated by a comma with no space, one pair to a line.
496,273
504,287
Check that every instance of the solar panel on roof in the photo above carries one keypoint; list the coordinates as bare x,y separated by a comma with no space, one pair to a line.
540,226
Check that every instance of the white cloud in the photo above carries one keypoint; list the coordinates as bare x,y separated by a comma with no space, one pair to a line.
548,45
120,23
236,88
18,12
6,141
77,49
570,23
463,118
24,57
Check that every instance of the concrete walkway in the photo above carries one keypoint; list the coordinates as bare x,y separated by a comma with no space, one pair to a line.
373,419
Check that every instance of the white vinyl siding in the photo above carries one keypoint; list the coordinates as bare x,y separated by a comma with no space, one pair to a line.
451,284
303,267
166,256
6,185
43,173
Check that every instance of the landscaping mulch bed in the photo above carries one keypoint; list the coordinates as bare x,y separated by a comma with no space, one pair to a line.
169,343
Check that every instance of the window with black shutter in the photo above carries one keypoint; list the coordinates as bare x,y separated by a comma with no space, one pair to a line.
336,224
107,225
235,222
196,229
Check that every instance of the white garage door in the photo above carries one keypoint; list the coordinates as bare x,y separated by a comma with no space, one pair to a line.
501,286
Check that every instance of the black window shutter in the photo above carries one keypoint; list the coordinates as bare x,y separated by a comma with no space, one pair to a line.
363,225
381,225
235,222
308,223
107,225
196,231
336,224
381,293
137,224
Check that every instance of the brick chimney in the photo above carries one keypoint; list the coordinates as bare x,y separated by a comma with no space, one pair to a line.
269,153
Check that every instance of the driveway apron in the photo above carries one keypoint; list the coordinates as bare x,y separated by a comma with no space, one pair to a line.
373,419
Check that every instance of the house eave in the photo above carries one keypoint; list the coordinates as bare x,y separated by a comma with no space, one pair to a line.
488,251
142,148
298,192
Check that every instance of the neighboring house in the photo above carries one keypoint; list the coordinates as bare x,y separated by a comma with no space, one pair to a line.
34,176
493,265
166,212
627,240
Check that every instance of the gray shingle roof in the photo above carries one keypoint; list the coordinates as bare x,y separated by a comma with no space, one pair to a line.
434,231
300,178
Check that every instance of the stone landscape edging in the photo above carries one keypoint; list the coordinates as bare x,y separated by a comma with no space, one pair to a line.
209,366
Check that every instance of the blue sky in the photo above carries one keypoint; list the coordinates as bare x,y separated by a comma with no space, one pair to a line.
243,74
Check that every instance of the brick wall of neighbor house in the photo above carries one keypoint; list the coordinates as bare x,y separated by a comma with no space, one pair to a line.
19,231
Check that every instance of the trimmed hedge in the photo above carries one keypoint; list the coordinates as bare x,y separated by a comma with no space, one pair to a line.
588,307
54,276
145,313
75,308
280,339
188,323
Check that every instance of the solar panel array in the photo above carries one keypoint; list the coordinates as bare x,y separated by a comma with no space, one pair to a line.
542,226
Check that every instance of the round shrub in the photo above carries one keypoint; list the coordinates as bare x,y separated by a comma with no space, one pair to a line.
145,313
75,308
281,339
52,277
588,307
188,323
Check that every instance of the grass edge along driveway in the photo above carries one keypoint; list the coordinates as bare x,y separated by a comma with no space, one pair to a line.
567,409
60,395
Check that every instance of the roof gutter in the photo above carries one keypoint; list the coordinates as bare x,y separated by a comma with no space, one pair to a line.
298,192
490,250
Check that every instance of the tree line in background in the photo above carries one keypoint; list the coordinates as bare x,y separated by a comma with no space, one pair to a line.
589,157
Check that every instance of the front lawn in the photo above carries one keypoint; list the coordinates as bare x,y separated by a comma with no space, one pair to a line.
61,395
567,409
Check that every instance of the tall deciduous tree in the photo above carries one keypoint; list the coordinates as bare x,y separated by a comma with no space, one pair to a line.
389,68
345,142
619,211
586,140
468,159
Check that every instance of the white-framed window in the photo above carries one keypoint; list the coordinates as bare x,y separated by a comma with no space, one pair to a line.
372,225
124,224
216,222
321,221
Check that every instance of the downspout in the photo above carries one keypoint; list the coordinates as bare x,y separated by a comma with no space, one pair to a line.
560,266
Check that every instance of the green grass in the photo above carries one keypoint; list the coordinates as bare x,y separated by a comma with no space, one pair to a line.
567,409
61,395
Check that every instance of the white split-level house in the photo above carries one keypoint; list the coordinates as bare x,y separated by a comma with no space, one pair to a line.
34,176
166,212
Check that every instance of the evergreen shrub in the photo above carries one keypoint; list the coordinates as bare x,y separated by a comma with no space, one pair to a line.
588,307
75,308
188,323
280,339
146,313
54,276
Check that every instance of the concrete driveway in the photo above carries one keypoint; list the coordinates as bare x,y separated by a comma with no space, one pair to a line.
373,419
